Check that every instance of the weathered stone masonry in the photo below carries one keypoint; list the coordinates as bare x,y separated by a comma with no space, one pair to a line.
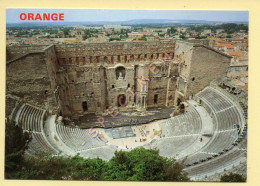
75,80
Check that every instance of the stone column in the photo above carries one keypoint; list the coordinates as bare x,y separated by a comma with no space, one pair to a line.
136,100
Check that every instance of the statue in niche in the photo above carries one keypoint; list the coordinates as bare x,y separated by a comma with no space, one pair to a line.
120,76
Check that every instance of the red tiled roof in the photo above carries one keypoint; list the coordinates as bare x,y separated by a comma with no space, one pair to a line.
245,87
237,53
237,39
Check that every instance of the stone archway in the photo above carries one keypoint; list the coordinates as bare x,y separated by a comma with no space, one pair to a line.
178,101
121,100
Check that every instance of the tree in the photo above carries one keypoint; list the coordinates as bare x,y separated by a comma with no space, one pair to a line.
143,165
51,31
143,38
114,39
172,30
89,33
228,36
232,178
174,171
91,168
136,165
16,142
161,35
46,167
183,37
66,31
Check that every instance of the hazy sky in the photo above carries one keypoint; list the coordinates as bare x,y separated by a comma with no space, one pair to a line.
81,15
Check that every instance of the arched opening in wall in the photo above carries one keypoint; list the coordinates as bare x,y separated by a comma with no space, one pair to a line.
178,101
118,58
155,99
170,97
132,58
152,56
158,70
113,86
84,59
120,73
121,100
128,85
139,57
145,56
85,106
182,107
105,59
193,79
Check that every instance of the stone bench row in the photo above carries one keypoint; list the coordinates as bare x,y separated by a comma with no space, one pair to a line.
187,123
38,144
74,138
216,164
172,146
227,118
217,101
30,117
224,110
197,158
221,141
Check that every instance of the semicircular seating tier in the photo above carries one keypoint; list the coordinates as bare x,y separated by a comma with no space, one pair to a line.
210,115
31,119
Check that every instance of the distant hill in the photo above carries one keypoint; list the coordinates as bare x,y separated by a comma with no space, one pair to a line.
129,22
164,21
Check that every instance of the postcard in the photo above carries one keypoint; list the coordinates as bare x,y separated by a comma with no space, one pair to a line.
126,95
